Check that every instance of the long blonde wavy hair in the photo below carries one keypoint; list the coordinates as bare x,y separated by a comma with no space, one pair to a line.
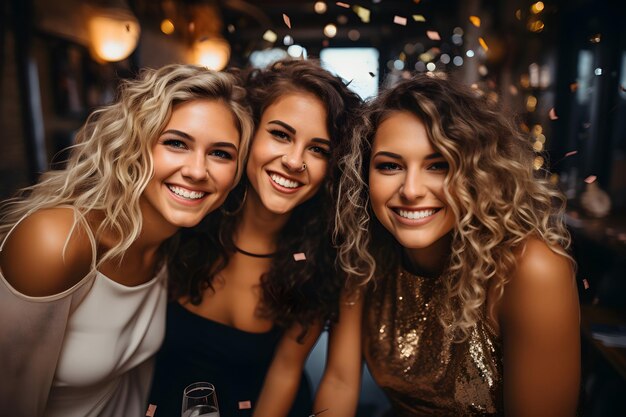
498,199
111,162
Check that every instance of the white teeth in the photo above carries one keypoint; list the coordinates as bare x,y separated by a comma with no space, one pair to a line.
284,181
181,192
413,215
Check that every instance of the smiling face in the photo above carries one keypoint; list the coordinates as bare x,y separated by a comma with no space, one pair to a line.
289,153
195,161
406,181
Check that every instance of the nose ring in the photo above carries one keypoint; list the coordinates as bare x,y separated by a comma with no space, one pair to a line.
286,162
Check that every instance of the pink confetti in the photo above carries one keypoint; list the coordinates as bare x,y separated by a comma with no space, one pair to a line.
590,179
552,114
586,283
399,20
245,405
433,35
299,256
570,153
151,410
345,5
287,20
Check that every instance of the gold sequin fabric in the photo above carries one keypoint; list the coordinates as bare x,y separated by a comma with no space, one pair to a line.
422,372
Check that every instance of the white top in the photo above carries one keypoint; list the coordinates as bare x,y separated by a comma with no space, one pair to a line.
82,353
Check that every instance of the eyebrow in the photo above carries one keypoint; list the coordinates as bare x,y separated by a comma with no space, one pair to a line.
292,130
435,155
285,125
190,138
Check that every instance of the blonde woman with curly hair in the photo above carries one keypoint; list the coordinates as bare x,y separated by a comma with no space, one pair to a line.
83,282
469,301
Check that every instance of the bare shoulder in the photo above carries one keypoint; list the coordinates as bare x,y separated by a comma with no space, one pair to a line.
543,282
540,265
37,258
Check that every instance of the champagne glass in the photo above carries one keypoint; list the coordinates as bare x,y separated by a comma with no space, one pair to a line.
199,400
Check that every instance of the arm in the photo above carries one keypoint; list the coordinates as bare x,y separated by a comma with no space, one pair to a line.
339,388
33,324
283,378
541,335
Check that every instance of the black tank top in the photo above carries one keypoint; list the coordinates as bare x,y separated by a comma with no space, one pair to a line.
196,349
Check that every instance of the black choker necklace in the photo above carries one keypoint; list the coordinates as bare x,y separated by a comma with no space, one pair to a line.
254,255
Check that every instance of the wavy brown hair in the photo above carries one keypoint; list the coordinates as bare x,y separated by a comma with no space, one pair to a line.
111,163
292,292
498,199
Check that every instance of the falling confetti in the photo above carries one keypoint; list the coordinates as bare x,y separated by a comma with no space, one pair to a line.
287,20
586,283
399,20
344,5
362,12
573,87
596,38
475,21
570,153
483,44
433,35
371,74
552,114
299,256
270,36
419,18
590,179
245,405
151,410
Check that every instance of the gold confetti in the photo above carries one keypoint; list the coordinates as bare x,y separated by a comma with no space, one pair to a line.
270,36
399,20
552,114
151,410
245,405
585,283
591,179
299,256
570,153
482,43
287,20
475,21
433,35
362,12
419,18
344,5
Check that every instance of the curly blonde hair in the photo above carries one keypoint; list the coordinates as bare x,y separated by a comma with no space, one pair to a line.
111,162
498,199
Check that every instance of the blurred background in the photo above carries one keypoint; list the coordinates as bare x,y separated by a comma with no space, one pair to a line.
558,65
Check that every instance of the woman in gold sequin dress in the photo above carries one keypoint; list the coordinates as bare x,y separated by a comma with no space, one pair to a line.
470,305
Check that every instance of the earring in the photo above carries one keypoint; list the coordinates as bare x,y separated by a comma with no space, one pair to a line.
238,209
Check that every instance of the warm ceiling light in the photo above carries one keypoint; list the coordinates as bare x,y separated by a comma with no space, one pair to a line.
537,7
330,30
113,33
320,7
167,26
212,53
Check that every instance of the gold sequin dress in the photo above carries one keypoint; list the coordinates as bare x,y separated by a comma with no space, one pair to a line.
421,371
